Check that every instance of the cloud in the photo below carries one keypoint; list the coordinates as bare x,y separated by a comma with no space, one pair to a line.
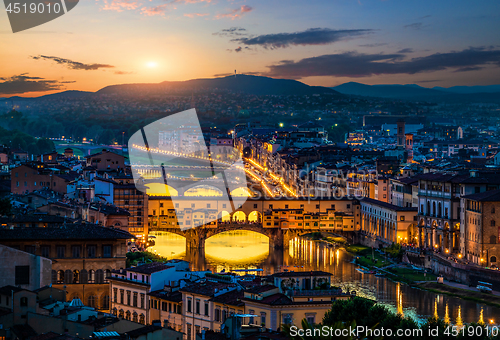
192,1
428,81
122,72
235,13
195,15
469,68
353,64
238,49
23,84
416,26
312,36
232,32
155,10
74,65
406,50
374,45
120,5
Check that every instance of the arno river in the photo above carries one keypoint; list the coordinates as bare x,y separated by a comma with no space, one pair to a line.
249,250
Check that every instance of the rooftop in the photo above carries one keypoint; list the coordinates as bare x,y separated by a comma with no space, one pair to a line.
66,232
149,268
487,196
303,273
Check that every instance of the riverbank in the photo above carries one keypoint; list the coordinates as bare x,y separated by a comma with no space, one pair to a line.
366,257
466,294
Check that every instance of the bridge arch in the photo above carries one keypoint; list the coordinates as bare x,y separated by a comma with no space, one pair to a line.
224,216
208,191
241,192
239,216
161,189
255,217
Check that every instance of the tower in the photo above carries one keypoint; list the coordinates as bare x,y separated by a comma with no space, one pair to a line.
409,147
401,134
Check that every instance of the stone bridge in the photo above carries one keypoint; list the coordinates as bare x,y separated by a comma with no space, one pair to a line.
196,237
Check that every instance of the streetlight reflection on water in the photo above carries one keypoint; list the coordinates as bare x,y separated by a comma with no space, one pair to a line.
249,250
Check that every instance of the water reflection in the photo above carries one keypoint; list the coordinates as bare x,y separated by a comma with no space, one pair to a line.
249,250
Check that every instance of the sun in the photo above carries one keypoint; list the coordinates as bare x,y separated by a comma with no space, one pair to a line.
152,64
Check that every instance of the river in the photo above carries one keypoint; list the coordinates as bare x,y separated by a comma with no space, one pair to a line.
249,250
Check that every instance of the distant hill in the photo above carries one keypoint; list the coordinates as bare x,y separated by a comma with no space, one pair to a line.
241,83
418,93
60,95
470,89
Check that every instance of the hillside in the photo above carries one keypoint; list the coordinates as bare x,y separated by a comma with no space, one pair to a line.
418,93
241,83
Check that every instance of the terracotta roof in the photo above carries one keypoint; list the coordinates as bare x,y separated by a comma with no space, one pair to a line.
66,232
143,331
302,273
261,289
168,296
206,288
149,268
232,298
387,205
487,196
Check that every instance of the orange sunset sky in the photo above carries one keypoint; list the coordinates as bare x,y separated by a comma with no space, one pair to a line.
105,42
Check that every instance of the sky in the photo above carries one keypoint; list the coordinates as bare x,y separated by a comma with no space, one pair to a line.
318,42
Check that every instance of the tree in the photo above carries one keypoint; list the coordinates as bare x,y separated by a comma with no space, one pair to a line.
45,145
5,207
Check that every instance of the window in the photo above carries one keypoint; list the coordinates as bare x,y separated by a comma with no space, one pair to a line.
122,300
401,218
91,251
251,320
287,319
189,305
217,315
115,295
24,301
22,275
492,223
206,308
311,319
128,297
45,251
134,301
197,329
75,251
142,301
197,306
263,319
106,251
188,331
29,249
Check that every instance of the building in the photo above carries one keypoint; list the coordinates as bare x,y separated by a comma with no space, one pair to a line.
106,161
169,302
39,176
273,308
122,192
199,312
439,210
82,255
130,288
480,228
106,215
384,223
23,270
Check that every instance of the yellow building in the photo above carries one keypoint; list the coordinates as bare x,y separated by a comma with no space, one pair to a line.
169,311
272,308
